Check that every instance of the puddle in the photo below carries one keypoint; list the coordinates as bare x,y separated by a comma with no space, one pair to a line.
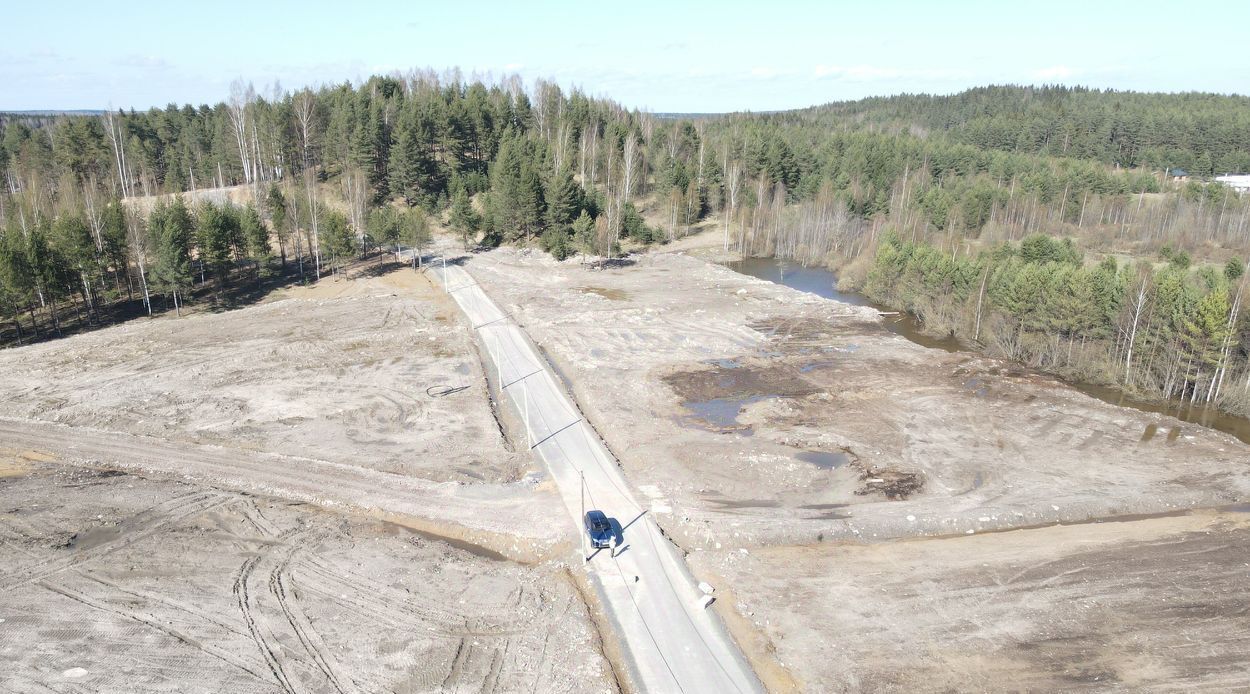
722,413
1149,433
812,366
716,396
822,507
1236,508
976,386
725,363
824,459
463,370
610,294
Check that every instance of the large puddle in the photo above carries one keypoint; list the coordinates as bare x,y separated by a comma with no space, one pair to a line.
822,282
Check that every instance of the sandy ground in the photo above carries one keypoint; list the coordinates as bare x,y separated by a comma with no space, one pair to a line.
270,500
319,394
115,582
767,426
1149,605
755,414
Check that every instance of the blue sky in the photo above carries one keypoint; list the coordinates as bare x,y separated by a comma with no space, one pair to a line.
660,56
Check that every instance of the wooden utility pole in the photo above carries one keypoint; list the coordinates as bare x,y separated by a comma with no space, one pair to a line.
585,555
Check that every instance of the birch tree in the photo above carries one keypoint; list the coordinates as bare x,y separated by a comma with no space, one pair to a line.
241,97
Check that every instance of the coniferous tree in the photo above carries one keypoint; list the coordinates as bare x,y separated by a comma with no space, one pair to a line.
217,237
170,228
255,237
338,240
463,219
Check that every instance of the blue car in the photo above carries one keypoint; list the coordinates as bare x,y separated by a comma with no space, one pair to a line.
599,529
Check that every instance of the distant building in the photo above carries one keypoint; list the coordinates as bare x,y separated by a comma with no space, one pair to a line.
1178,175
1238,182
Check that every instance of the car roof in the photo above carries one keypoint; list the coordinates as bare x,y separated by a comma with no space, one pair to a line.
595,515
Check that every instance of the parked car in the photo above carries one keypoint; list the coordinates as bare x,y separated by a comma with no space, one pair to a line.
599,529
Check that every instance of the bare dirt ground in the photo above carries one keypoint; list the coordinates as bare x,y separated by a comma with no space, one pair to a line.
270,499
320,394
1148,605
778,416
760,419
122,583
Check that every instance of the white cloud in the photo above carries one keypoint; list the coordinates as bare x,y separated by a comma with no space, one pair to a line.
513,67
881,73
1054,72
148,62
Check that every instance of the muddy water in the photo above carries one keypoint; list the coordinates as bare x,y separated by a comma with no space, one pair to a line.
824,283
824,460
1202,416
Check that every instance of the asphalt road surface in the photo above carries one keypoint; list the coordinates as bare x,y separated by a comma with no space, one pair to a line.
674,644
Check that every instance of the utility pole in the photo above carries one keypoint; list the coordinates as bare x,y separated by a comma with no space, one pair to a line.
525,395
446,287
585,555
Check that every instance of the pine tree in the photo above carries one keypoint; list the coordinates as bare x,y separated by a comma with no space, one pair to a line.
170,227
275,206
584,233
217,235
564,201
256,240
463,219
338,240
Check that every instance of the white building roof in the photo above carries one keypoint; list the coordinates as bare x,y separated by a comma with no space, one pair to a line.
1238,182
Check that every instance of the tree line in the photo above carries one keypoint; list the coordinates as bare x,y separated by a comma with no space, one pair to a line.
333,172
328,173
1157,326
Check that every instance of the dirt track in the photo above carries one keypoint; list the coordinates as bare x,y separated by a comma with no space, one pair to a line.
117,582
1149,605
241,501
318,395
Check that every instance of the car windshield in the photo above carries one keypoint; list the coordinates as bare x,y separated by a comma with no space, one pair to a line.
599,524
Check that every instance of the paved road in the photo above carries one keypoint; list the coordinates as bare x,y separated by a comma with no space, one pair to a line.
673,643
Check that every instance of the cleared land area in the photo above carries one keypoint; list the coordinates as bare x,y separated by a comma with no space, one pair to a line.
268,499
755,418
115,582
319,395
1146,605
